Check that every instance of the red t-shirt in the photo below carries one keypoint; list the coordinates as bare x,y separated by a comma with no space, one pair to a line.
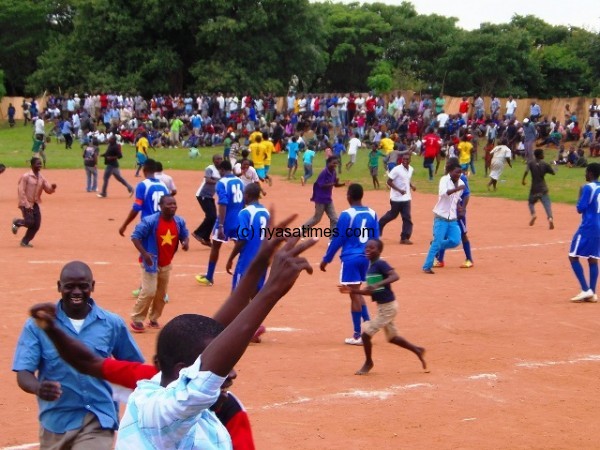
370,104
432,145
463,108
167,239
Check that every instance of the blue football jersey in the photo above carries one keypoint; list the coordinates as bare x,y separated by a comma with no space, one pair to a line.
147,196
589,208
355,227
230,191
253,221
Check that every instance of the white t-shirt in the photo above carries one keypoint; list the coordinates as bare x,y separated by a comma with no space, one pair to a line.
447,204
511,107
343,103
401,177
167,180
39,126
353,146
247,178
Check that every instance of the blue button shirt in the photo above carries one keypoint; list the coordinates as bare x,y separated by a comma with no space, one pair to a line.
103,332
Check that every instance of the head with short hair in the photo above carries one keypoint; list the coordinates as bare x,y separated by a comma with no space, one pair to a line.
149,166
592,172
225,166
182,340
251,193
159,166
538,153
355,193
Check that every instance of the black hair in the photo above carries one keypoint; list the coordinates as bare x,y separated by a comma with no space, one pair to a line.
330,159
33,160
162,198
355,192
538,153
252,191
451,165
594,169
225,165
159,166
150,166
183,339
379,243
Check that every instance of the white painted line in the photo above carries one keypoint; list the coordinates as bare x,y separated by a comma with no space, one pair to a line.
282,329
22,446
484,376
536,364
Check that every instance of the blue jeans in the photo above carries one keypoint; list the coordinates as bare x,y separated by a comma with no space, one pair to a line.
91,174
446,234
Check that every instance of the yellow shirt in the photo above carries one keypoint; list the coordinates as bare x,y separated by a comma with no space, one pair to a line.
268,149
464,149
387,145
142,146
257,154
253,135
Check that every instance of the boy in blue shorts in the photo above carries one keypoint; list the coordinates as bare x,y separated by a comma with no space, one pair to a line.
379,277
292,148
586,242
355,227
230,191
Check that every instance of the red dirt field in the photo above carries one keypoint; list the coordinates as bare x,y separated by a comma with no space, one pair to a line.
513,363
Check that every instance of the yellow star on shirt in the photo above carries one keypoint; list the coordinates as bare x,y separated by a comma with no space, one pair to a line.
167,239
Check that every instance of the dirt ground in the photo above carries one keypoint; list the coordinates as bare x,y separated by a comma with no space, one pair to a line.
513,363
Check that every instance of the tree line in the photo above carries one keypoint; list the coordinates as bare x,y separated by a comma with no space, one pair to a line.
152,46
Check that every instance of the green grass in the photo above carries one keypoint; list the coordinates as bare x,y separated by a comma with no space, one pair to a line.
15,151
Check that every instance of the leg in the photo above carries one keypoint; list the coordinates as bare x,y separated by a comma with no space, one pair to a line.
531,205
213,258
548,208
368,348
407,225
578,271
158,304
88,178
120,179
105,179
390,215
92,436
333,217
440,228
593,264
145,298
210,217
94,172
35,221
319,210
452,238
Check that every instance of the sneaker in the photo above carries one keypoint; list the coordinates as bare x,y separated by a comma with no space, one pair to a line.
195,236
583,296
532,221
257,334
137,327
136,292
467,264
206,242
353,341
428,271
593,299
437,263
551,224
406,242
101,195
154,324
14,228
26,244
203,280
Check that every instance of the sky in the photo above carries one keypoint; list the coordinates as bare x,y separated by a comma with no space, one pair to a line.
579,13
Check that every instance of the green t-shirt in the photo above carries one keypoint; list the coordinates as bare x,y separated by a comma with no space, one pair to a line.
374,158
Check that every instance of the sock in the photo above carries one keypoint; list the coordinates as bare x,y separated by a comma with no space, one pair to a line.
356,316
578,269
364,312
467,249
440,255
210,273
593,276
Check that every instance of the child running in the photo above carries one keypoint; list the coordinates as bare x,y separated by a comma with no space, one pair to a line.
379,277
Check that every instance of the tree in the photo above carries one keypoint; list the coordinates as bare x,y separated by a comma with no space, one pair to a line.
2,88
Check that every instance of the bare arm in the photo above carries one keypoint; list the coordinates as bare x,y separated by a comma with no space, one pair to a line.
239,298
225,351
132,215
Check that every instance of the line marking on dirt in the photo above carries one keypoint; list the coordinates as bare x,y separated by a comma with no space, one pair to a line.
282,329
484,376
537,364
22,446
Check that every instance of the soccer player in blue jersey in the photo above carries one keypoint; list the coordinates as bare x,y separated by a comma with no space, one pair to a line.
586,242
462,224
253,222
230,191
147,195
355,227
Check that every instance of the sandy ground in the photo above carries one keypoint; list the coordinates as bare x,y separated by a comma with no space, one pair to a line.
513,363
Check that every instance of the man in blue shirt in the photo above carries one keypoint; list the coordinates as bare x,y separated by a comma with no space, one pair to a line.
356,226
230,191
75,410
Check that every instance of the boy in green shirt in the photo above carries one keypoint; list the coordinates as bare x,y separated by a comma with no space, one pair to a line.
374,156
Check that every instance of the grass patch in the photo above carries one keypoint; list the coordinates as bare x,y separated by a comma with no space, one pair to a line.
16,142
